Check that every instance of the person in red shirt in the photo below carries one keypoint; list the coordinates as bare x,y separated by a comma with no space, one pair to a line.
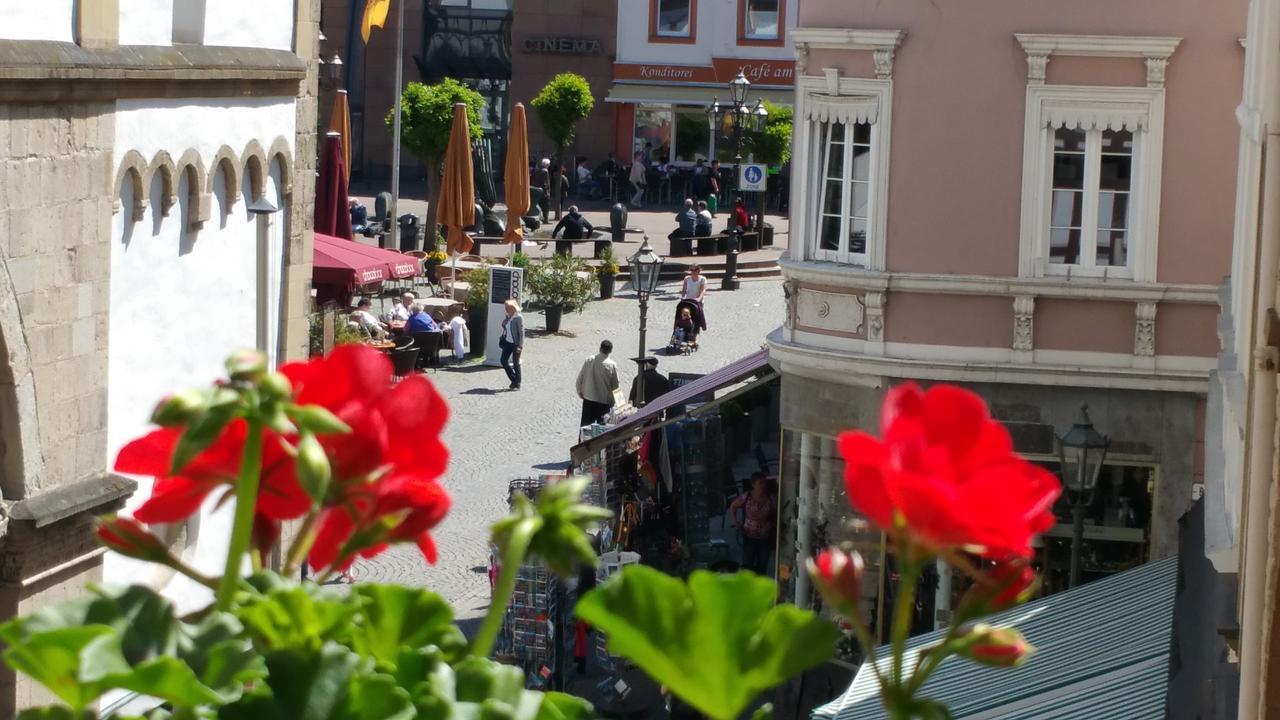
741,219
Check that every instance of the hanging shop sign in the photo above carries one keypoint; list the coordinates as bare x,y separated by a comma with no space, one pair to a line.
563,45
768,73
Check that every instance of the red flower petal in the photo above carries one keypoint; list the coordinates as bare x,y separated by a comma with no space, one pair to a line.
173,499
333,529
149,454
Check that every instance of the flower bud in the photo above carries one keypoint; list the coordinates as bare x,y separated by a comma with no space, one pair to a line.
266,533
1012,583
997,647
276,386
129,538
838,575
248,365
316,419
179,408
313,467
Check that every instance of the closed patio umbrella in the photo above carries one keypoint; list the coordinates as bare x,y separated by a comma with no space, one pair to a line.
340,122
516,175
458,193
333,217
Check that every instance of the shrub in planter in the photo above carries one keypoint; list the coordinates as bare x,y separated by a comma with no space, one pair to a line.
561,283
435,257
477,307
519,259
607,273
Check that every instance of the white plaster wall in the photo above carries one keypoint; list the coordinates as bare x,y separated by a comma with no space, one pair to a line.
717,36
42,20
181,301
250,23
146,22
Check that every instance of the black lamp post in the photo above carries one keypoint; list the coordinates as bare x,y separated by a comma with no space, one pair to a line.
646,269
1081,453
742,116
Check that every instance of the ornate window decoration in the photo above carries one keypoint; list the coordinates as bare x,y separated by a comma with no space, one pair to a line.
1092,163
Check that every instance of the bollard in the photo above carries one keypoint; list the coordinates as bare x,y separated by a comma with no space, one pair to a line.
730,281
618,222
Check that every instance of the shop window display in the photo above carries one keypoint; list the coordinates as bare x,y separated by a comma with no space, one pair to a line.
653,131
693,139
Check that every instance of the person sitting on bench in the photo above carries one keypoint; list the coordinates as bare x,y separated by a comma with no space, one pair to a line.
575,226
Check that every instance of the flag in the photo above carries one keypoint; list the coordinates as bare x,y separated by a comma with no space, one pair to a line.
375,15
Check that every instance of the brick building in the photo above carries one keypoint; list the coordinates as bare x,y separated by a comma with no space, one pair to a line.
133,138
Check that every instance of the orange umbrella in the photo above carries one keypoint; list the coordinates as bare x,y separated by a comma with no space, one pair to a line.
458,193
516,177
340,122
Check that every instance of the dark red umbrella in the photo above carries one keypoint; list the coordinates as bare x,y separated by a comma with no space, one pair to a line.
333,217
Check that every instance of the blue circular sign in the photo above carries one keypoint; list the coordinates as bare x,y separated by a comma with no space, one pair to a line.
753,174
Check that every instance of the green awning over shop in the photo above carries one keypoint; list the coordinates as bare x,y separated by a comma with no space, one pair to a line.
1102,651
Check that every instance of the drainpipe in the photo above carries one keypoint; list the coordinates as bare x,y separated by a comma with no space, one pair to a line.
805,506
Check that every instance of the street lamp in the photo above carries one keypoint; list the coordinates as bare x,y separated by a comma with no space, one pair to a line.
332,71
646,270
742,116
1081,453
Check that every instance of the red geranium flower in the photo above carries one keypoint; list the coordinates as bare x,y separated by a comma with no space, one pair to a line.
946,473
175,497
387,467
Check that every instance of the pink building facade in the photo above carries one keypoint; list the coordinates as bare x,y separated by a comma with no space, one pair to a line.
1034,200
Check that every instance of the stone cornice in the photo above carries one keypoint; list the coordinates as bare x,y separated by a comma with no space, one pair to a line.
50,71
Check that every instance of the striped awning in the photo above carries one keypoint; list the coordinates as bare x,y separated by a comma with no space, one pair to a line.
1102,651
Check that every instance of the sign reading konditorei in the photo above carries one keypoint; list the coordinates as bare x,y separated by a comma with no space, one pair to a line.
563,45
767,73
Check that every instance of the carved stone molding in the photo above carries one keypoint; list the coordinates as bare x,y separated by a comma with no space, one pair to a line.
882,44
1037,65
875,316
1024,308
791,291
1144,335
1155,71
830,311
884,63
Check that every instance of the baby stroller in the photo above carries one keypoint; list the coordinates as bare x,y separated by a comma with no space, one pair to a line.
684,332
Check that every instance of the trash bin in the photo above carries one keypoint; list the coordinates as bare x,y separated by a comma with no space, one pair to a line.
408,232
618,222
766,235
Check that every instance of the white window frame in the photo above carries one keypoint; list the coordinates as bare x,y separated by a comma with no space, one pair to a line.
1140,109
816,104
1050,107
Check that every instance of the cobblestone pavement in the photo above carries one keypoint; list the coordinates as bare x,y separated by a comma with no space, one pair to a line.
496,435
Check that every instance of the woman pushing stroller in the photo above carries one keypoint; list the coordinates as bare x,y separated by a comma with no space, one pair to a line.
690,317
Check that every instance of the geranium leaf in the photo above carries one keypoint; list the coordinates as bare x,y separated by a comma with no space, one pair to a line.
559,706
309,685
55,659
53,712
717,642
392,617
169,679
375,697
296,617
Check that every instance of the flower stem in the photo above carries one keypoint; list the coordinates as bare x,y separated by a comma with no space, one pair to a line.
192,573
510,559
903,604
302,543
868,646
246,502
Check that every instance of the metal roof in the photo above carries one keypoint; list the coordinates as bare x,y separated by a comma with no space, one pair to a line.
1102,651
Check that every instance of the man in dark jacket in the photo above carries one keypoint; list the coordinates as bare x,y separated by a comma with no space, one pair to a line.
575,226
655,383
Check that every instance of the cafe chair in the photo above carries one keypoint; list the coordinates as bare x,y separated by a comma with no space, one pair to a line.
428,344
403,342
403,362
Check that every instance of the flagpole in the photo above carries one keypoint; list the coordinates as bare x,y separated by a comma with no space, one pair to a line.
395,137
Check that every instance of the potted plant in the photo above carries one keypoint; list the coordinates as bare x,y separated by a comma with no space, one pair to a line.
435,256
561,283
607,272
520,259
477,307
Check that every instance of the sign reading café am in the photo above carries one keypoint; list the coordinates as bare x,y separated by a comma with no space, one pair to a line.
780,73
563,45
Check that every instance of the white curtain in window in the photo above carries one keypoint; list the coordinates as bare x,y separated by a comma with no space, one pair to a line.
1108,116
849,110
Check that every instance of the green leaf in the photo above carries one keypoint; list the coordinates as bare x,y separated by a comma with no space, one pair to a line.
201,433
557,525
54,659
296,617
168,679
392,617
559,706
376,697
53,712
717,642
310,685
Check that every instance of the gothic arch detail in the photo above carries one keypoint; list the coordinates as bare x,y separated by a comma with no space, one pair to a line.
163,164
132,169
199,203
226,159
254,162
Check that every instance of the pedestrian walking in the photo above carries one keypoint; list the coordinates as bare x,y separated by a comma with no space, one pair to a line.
597,383
541,179
638,180
512,342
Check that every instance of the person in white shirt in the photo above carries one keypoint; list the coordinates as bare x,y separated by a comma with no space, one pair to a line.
400,311
460,334
366,321
695,285
597,381
638,180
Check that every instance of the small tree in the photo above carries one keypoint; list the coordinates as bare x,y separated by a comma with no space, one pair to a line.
773,145
564,102
426,117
